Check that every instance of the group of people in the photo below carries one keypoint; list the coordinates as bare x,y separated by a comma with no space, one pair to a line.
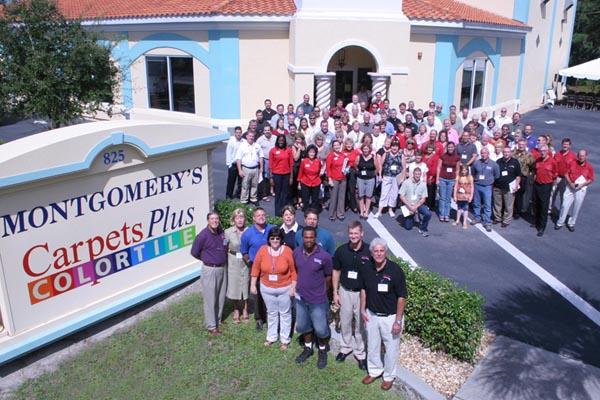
292,269
366,155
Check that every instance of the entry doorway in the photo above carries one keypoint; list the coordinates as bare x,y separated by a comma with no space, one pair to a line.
344,85
351,66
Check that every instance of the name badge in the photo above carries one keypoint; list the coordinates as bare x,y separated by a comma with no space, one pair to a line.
272,278
481,177
307,165
352,275
463,156
335,158
504,173
238,255
413,197
449,169
278,152
318,261
363,173
393,168
488,167
382,287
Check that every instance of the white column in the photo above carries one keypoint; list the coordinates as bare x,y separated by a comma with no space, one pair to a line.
324,84
380,83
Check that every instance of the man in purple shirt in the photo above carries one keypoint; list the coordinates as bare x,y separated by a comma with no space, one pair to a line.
210,247
314,268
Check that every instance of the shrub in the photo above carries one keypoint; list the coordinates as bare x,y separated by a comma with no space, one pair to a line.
444,316
225,208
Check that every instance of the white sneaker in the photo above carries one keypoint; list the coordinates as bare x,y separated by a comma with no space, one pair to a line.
391,212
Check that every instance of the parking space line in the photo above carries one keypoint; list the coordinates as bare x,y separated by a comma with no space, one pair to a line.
544,275
392,243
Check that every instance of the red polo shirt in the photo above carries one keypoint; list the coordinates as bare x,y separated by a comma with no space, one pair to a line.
352,156
439,147
563,160
281,161
334,165
401,139
576,170
545,170
432,163
309,173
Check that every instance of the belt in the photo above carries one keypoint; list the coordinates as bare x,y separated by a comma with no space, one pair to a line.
214,265
233,253
351,290
250,167
381,314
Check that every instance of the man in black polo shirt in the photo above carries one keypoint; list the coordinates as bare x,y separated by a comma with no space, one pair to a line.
382,300
348,260
505,187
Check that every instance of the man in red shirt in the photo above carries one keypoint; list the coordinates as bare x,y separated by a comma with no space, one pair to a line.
578,177
563,158
545,174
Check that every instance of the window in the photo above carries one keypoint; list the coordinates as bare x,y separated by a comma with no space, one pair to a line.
473,82
171,83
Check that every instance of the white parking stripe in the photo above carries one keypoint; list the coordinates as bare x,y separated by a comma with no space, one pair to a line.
392,243
544,275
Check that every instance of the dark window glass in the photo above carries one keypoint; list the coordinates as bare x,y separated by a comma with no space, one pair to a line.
171,83
158,82
182,78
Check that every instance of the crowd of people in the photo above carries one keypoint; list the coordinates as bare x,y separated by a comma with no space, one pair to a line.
368,158
295,270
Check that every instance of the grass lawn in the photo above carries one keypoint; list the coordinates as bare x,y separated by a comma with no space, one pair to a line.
169,356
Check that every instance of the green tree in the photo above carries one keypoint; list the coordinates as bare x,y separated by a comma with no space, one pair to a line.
51,67
586,36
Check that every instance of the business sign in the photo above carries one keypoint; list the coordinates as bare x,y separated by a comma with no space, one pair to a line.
69,244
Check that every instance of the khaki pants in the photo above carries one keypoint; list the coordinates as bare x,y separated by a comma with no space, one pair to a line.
337,202
249,185
379,329
569,198
351,324
503,205
214,286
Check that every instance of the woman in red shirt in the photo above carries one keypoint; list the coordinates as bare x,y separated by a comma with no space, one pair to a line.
281,162
274,264
309,178
336,163
430,158
280,128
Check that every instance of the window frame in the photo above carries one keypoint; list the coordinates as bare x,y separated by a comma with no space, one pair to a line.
474,61
150,57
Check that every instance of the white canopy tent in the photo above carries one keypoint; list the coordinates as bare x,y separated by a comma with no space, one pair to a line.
587,70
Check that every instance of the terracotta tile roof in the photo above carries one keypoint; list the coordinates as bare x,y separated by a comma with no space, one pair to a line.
453,11
114,9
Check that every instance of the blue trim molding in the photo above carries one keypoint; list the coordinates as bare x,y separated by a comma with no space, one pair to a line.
172,40
550,39
121,54
521,10
444,71
498,59
520,72
114,139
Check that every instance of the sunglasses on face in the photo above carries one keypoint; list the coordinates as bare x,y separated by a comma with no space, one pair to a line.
275,238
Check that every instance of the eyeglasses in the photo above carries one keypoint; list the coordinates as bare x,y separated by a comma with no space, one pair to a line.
275,238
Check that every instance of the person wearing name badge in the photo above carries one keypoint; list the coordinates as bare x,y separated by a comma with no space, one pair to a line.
505,187
324,237
238,274
563,158
382,300
546,172
466,150
389,168
309,179
348,260
313,270
249,160
366,170
485,172
413,195
463,195
281,162
336,164
446,178
580,174
289,226
274,265
210,247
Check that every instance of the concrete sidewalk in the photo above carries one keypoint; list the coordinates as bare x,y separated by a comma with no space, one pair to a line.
513,370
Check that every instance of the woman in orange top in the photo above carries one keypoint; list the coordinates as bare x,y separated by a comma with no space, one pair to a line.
274,264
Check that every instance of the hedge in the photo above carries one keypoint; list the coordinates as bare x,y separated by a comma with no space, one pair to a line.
444,316
225,208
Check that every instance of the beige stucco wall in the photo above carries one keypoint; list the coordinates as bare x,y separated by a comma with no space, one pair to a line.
509,70
264,56
419,86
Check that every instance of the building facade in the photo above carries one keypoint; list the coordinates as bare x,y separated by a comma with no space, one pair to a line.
221,61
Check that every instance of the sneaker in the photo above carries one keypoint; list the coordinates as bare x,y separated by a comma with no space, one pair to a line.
322,360
557,226
475,221
424,233
391,212
307,352
571,228
488,228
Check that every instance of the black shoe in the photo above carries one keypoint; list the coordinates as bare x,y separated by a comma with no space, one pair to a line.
307,352
557,227
488,228
516,217
540,233
475,221
259,325
571,228
362,365
341,357
322,360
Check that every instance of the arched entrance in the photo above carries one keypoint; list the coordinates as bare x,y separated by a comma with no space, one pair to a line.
351,65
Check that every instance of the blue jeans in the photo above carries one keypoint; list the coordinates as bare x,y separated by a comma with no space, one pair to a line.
282,186
483,194
311,317
424,215
446,190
